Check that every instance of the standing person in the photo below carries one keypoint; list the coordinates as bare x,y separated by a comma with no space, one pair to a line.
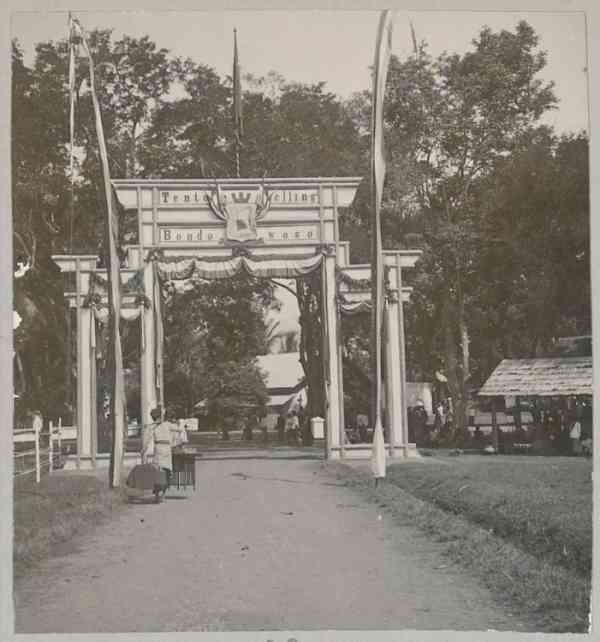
178,431
281,428
449,409
302,424
420,420
575,436
149,475
295,428
38,421
536,413
362,422
163,456
291,428
439,420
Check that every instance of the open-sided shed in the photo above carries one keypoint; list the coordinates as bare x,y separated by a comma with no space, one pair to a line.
552,377
549,377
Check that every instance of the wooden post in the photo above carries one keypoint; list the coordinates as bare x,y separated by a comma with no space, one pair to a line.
59,436
518,422
494,425
93,391
37,454
50,447
80,391
340,360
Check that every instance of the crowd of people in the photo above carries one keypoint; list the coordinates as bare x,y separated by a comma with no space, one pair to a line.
291,427
561,425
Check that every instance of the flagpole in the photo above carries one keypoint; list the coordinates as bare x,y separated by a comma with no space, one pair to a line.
237,104
114,290
382,55
69,348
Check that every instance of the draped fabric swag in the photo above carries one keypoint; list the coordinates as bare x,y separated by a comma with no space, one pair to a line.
354,307
127,313
260,267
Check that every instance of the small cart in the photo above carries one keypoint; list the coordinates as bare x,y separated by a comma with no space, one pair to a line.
145,479
184,469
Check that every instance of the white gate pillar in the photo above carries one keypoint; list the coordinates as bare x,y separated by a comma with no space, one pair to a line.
340,372
84,385
148,362
332,384
395,390
93,389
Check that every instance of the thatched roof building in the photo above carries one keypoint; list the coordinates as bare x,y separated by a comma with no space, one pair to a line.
552,377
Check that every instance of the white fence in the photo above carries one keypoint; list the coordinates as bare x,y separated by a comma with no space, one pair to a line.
38,458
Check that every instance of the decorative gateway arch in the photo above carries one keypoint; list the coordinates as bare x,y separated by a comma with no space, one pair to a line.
214,228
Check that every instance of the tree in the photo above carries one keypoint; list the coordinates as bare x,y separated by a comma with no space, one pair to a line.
451,121
39,200
536,253
356,338
187,137
48,215
214,331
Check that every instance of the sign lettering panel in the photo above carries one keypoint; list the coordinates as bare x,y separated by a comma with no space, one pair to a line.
198,197
172,235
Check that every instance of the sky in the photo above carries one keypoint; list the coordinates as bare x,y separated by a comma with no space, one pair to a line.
332,46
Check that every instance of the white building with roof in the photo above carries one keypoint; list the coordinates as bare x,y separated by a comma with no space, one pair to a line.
285,382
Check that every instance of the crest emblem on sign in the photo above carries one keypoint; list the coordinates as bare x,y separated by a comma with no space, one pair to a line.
240,209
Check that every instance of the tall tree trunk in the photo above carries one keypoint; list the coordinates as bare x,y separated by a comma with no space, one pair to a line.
451,362
21,372
309,303
132,164
462,410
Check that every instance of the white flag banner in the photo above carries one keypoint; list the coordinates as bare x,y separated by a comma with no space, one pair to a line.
378,456
380,70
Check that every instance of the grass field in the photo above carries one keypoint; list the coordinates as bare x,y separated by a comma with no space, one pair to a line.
522,525
544,505
49,514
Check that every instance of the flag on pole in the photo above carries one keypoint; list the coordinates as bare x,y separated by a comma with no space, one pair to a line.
383,49
414,39
238,123
117,413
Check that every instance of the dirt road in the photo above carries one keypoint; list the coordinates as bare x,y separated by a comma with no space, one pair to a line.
263,544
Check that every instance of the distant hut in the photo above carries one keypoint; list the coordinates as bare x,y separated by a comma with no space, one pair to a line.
555,380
